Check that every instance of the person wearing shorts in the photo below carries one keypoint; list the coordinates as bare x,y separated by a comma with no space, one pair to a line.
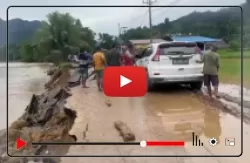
99,66
84,76
210,70
84,61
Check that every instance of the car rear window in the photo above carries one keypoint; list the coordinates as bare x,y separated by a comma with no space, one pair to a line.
178,48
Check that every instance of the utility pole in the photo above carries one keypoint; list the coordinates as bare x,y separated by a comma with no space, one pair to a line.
123,29
149,3
119,34
119,30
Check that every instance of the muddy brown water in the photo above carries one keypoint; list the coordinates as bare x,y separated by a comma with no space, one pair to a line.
169,113
23,80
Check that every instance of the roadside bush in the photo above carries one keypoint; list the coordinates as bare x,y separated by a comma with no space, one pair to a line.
234,45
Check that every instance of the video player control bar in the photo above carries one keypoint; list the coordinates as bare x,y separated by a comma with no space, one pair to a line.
142,143
21,143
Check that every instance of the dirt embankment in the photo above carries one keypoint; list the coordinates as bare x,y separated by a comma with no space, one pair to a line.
45,119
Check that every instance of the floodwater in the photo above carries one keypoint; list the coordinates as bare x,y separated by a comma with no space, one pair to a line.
23,80
170,113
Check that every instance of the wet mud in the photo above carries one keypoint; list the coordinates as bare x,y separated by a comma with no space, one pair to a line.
171,112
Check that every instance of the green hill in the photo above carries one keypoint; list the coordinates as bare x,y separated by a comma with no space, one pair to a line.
19,30
224,24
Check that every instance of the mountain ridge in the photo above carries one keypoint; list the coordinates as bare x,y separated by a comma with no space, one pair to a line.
19,30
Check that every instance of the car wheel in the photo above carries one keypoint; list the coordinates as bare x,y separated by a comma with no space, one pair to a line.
196,85
150,85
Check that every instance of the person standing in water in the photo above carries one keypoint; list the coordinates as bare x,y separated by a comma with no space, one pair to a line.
99,63
210,70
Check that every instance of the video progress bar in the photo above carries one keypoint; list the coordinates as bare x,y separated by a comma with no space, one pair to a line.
142,143
86,143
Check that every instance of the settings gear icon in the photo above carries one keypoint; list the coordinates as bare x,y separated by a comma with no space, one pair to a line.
212,142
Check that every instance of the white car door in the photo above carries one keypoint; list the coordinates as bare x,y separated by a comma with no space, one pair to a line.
145,56
139,61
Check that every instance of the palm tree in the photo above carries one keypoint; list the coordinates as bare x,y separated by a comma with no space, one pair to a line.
61,35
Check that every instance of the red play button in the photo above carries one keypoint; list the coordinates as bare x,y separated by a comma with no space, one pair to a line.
20,143
125,81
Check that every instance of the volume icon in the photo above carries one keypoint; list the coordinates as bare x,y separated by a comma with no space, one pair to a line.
196,141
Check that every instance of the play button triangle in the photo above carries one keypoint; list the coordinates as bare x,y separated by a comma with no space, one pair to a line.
124,81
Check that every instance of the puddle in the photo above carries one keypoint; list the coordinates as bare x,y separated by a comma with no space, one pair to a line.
170,113
167,114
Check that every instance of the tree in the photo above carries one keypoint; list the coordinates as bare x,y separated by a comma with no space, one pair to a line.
3,54
59,36
106,41
27,53
224,24
13,52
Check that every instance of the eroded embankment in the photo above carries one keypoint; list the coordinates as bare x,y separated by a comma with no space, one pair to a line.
45,119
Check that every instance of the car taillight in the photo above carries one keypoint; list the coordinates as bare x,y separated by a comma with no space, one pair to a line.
156,57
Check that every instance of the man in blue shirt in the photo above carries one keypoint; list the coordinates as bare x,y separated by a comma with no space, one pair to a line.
84,61
90,57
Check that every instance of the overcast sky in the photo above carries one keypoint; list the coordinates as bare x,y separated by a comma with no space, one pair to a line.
106,19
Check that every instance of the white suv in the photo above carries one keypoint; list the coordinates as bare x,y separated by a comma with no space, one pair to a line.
172,62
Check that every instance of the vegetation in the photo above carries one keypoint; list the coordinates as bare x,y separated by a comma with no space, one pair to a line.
230,71
2,54
19,30
224,24
59,36
230,66
106,41
52,40
228,53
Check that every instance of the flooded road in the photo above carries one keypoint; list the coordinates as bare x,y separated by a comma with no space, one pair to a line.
24,80
170,113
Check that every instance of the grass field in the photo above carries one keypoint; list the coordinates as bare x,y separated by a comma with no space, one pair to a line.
230,71
226,53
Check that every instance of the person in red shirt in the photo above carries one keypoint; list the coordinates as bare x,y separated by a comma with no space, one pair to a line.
128,56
